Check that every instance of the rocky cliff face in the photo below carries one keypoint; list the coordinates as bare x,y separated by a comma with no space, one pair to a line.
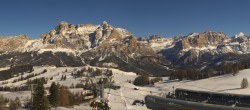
156,42
14,43
87,44
105,45
203,40
200,49
66,35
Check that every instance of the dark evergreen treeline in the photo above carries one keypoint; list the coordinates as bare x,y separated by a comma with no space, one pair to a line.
61,96
15,70
227,68
58,96
189,74
13,104
145,80
194,74
42,80
79,85
21,78
14,89
84,72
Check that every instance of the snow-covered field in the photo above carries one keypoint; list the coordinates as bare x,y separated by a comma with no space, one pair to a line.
225,83
122,99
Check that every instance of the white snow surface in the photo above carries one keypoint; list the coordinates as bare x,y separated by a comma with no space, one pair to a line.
123,98
210,47
157,46
1,69
123,32
239,35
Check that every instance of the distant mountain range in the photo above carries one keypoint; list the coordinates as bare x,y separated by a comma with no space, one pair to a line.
108,46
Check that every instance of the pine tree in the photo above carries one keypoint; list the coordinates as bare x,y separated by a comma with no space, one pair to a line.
64,77
17,101
244,83
13,105
53,97
141,80
72,85
63,97
2,100
40,100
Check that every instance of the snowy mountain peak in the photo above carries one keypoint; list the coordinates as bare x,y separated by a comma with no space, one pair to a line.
193,34
241,34
13,43
104,23
103,43
65,35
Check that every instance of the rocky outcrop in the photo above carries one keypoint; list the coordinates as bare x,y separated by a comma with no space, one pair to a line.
240,38
87,44
13,43
156,42
66,35
105,45
196,49
81,37
203,40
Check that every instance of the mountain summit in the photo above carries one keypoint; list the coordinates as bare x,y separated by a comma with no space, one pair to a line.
84,44
107,46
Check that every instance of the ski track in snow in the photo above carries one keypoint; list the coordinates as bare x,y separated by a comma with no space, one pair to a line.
123,98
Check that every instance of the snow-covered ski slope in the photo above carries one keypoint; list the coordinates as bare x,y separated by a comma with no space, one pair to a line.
122,99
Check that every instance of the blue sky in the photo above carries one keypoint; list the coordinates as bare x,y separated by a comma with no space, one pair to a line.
166,18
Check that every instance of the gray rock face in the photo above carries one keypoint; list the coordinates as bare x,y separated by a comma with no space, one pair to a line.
196,48
88,44
14,43
105,45
67,35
